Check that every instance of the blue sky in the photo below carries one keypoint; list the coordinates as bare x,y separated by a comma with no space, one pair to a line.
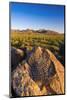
37,16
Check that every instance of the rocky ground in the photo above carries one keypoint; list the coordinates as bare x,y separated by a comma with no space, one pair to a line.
40,73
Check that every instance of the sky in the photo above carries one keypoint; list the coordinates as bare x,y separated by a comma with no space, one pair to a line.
37,16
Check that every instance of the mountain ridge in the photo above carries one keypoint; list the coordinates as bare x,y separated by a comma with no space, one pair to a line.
41,31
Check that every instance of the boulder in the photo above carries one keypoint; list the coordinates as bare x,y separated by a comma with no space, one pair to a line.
47,69
58,80
16,57
40,74
22,83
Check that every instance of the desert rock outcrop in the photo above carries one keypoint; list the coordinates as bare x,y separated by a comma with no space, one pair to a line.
41,74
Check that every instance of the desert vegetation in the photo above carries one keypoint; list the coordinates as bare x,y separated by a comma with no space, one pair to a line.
37,63
29,39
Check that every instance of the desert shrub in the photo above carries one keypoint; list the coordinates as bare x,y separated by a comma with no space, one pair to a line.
52,42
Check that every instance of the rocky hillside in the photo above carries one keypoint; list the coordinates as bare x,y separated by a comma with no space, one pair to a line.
41,31
40,73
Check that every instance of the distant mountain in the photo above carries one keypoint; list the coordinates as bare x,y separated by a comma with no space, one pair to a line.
46,32
41,31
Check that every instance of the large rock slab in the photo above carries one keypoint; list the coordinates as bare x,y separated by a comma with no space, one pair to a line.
46,68
40,74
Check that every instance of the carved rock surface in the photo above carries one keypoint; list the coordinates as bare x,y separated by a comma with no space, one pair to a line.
41,74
